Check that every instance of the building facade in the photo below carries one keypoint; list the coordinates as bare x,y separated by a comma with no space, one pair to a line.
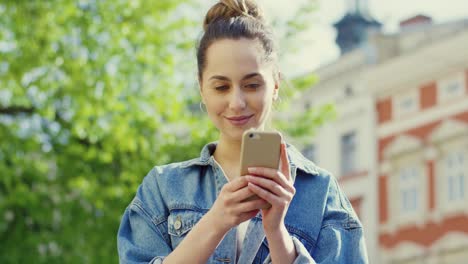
422,135
399,145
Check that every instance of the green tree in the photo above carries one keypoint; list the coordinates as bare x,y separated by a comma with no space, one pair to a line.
89,104
92,95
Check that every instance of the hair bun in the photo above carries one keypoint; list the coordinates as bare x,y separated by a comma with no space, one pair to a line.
226,9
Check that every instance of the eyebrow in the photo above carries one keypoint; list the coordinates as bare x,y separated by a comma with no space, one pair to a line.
224,78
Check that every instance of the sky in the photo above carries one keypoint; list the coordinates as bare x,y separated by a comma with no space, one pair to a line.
321,48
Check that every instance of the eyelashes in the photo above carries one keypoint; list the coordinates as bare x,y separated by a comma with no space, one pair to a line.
248,86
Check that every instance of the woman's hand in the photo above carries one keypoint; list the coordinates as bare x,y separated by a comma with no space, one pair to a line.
230,209
275,187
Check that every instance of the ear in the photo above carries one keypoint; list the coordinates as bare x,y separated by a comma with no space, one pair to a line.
276,89
275,92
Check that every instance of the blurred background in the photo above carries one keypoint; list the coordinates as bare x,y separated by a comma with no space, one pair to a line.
94,93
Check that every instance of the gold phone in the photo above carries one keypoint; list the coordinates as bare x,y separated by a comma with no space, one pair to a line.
259,149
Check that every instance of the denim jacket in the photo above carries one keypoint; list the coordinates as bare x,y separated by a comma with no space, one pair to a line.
174,197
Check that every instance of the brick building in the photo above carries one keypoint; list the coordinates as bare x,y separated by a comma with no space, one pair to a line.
399,145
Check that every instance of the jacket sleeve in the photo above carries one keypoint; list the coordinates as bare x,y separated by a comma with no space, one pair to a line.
303,256
341,237
142,235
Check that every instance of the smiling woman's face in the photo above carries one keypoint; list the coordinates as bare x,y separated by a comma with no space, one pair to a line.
237,86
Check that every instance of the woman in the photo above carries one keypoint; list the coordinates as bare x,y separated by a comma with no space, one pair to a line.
196,211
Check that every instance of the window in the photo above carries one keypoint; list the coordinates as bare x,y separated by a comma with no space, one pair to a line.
348,153
409,181
310,152
451,88
406,103
455,173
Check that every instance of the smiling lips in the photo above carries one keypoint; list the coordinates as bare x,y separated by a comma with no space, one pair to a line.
239,120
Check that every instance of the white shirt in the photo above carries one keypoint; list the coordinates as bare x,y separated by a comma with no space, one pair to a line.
241,230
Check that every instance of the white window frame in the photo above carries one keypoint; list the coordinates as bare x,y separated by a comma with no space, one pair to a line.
411,187
409,190
353,157
399,99
444,205
455,176
446,84
398,218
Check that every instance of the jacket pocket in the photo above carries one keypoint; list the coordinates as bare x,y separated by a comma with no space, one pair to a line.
180,222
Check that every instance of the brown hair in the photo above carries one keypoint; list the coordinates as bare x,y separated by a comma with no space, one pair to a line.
235,19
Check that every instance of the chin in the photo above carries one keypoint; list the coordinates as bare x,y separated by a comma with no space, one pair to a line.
235,134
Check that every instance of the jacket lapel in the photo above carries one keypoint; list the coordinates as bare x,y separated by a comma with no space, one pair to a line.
253,239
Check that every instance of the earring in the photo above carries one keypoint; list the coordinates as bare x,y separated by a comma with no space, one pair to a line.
277,99
203,109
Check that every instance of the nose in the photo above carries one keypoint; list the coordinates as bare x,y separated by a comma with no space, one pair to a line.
237,100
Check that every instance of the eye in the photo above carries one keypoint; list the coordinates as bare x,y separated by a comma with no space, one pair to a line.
253,85
222,87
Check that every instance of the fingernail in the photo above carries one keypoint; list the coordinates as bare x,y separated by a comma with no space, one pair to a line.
252,170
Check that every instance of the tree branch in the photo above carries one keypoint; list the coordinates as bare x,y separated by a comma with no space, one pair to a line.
16,110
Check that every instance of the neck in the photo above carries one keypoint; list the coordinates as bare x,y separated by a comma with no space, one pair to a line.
228,151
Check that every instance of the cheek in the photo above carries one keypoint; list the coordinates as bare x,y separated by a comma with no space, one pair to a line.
214,107
264,101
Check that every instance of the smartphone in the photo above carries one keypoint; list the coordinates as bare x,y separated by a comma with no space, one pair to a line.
259,149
